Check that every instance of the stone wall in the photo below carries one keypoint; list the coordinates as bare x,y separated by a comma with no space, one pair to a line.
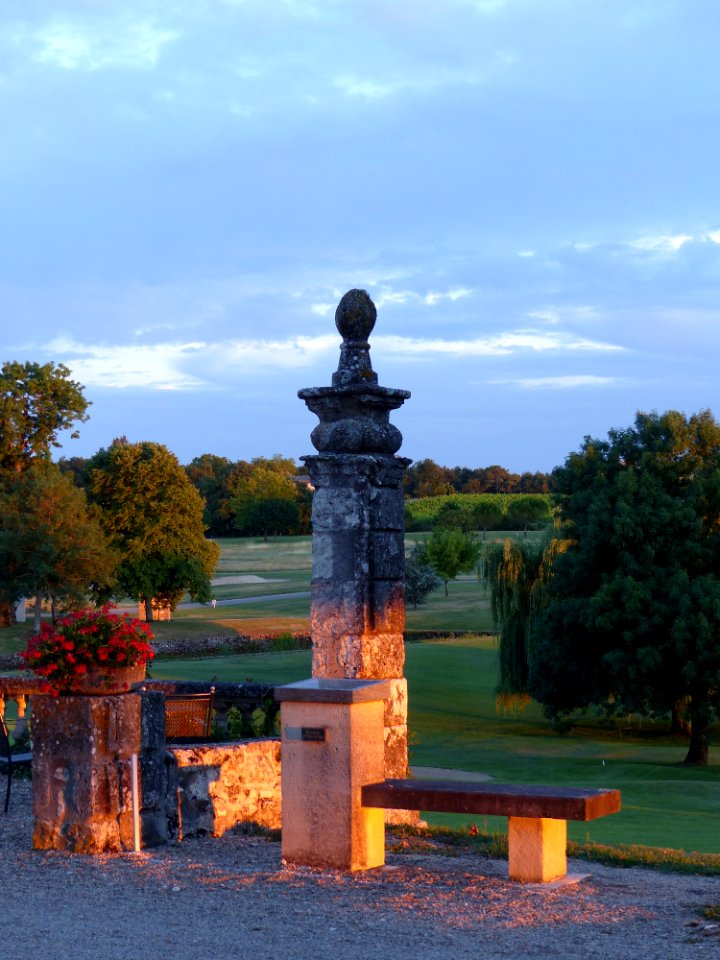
214,787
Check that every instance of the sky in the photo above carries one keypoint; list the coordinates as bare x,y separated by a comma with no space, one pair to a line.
528,190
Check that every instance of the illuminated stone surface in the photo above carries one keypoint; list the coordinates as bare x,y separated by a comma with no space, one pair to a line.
331,748
536,849
357,607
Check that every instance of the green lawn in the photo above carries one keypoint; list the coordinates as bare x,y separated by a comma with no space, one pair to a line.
454,724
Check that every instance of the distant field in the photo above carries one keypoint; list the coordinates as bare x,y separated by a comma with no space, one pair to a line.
454,724
255,568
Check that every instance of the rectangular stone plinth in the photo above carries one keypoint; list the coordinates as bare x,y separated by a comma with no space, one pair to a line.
82,797
330,750
536,849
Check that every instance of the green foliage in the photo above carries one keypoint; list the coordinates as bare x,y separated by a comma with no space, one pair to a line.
265,500
479,511
153,516
37,402
212,477
517,574
633,613
450,552
420,578
52,546
260,723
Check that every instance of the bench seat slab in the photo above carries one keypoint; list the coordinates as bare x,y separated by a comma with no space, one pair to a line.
492,799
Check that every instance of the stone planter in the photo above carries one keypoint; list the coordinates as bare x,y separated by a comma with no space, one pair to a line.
102,681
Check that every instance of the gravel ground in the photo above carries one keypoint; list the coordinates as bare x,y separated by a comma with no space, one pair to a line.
232,897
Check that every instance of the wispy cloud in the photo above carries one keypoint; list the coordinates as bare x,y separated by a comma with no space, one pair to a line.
499,345
661,245
186,366
159,366
558,383
75,46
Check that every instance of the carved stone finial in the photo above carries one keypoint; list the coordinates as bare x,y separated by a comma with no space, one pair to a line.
355,315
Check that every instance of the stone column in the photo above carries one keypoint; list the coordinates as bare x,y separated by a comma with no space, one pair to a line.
358,607
81,771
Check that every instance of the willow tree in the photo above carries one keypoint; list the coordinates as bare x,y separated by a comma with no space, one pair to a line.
517,575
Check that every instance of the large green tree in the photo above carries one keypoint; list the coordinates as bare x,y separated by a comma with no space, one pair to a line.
154,518
51,544
632,619
37,403
450,552
266,500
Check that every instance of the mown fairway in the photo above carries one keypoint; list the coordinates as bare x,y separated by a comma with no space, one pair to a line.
454,724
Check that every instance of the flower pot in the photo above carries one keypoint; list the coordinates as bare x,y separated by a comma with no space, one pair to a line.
107,681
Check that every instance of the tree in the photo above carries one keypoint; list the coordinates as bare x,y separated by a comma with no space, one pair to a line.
517,575
525,509
450,553
153,516
487,514
51,544
265,500
213,478
632,619
420,578
37,402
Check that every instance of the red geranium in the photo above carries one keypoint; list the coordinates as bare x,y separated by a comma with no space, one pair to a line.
87,640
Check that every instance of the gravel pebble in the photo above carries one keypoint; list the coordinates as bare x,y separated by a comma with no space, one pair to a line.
232,897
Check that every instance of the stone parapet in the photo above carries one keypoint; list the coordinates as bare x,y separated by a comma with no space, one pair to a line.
214,787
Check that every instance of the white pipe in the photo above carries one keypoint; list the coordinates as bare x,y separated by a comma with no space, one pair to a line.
135,801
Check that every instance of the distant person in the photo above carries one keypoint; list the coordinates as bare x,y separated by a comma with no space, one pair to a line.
213,602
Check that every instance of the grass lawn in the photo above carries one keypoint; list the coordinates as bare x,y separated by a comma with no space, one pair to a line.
454,724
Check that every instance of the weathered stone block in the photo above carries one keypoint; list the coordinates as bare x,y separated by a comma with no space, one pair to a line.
396,705
338,509
387,509
81,771
387,555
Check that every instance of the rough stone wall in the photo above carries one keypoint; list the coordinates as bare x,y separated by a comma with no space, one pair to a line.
81,771
214,787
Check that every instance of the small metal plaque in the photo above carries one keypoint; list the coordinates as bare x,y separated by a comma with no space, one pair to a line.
312,734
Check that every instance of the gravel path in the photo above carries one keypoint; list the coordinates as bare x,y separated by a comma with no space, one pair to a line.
232,898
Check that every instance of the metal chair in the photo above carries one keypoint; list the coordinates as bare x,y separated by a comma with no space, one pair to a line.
188,716
8,759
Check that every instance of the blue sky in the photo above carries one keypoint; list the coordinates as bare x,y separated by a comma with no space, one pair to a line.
528,189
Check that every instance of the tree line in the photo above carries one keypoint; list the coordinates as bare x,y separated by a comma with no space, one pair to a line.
425,478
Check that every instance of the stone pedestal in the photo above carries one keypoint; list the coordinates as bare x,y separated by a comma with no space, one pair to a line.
358,606
332,746
536,849
82,746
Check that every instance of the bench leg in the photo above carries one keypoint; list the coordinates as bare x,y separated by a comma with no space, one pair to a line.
537,849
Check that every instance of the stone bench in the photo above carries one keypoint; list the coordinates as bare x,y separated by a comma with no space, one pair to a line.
537,816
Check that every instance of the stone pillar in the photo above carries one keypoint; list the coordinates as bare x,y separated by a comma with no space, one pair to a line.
81,771
332,746
357,607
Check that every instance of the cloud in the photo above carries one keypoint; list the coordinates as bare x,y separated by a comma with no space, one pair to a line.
194,364
501,344
661,245
558,383
432,298
154,367
95,47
